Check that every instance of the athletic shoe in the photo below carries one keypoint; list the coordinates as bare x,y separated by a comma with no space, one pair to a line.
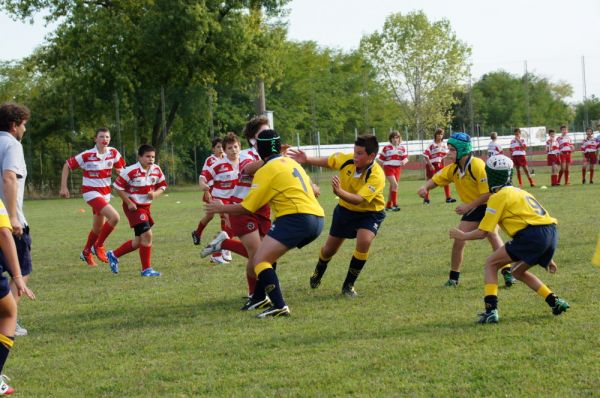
488,317
256,305
5,389
388,209
451,283
100,252
20,330
274,312
349,291
113,261
215,244
195,238
226,254
396,208
87,258
425,201
509,280
450,200
583,181
149,272
315,279
560,306
218,260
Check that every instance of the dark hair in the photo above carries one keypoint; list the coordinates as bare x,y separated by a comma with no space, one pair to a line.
145,148
551,131
439,130
394,133
369,142
253,125
563,127
517,130
102,130
230,138
10,113
216,141
589,128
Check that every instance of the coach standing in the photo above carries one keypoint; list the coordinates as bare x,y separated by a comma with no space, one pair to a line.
13,118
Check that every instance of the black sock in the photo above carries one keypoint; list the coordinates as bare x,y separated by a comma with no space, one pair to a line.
259,291
268,279
274,265
6,343
454,275
354,269
491,303
551,299
321,267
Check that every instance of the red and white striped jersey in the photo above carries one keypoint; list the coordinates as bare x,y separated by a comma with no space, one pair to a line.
494,148
436,152
244,183
137,182
518,147
552,147
222,176
589,145
97,171
212,159
565,143
392,155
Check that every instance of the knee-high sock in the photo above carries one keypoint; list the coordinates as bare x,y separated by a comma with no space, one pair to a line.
560,174
591,175
200,228
91,239
6,343
519,177
125,248
356,265
235,246
583,173
490,296
567,177
269,281
394,198
104,232
447,191
145,256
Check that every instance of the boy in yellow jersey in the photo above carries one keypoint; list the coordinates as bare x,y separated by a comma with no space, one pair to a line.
284,185
533,232
467,172
360,211
8,306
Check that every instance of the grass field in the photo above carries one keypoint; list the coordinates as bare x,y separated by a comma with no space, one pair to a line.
96,334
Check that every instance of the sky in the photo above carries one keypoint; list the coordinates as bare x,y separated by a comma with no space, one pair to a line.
551,36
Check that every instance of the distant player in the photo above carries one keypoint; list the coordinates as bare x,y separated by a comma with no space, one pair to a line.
434,161
282,183
392,157
467,172
533,232
518,153
360,212
97,165
565,143
494,147
553,157
589,147
138,185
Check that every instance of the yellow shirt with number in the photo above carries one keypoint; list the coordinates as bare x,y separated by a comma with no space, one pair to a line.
514,209
470,185
4,220
285,186
369,184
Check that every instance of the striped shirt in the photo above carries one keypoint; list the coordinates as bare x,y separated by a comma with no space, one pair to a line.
565,143
436,152
589,145
392,155
222,177
97,171
517,147
552,147
137,183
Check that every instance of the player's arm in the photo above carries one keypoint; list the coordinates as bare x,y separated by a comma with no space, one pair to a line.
216,206
428,186
156,192
125,198
349,197
9,178
9,250
64,189
476,234
302,158
252,168
203,184
465,208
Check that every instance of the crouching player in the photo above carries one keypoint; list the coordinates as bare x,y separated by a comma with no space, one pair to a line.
284,185
138,185
533,232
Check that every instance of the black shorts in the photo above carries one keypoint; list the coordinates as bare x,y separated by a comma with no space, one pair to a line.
475,215
346,223
296,230
534,245
23,244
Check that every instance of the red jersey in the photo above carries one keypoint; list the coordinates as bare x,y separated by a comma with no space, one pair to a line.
565,143
222,176
436,152
392,155
518,147
97,171
137,182
589,145
552,147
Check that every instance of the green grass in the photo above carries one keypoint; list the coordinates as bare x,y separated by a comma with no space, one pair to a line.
95,334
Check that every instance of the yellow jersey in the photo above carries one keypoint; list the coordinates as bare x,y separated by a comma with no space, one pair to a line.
514,209
369,184
470,185
285,186
4,220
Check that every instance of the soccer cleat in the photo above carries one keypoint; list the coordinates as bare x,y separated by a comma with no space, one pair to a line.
315,279
488,317
388,209
149,272
113,261
274,312
20,330
87,258
218,260
226,254
195,238
5,389
256,305
214,245
450,200
100,252
583,181
396,208
560,306
425,201
451,283
349,291
509,280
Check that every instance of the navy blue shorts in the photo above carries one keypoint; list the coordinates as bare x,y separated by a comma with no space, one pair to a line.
475,215
23,244
346,223
534,245
4,288
296,230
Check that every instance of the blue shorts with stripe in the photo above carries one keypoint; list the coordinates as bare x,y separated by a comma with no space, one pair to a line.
296,230
346,223
534,244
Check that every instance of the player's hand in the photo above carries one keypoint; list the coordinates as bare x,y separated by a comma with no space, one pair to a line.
316,189
456,233
17,227
463,208
64,193
429,167
552,268
212,207
404,161
284,149
422,192
132,206
151,195
335,184
207,197
298,155
22,288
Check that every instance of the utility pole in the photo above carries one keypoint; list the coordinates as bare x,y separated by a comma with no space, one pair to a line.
585,105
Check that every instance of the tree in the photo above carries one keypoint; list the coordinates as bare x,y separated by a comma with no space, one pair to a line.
589,108
422,62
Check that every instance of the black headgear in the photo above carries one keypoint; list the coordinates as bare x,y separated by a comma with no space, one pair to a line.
268,143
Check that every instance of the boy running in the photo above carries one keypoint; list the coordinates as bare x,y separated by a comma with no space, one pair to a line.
392,157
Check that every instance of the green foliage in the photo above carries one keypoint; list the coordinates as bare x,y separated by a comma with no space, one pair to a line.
587,113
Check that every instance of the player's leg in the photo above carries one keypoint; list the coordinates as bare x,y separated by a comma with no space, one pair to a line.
494,262
197,233
251,242
364,238
8,322
584,168
496,243
518,167
592,162
521,272
562,168
458,248
112,219
331,247
145,250
568,169
266,255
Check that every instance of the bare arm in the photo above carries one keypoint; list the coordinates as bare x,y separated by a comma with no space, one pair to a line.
428,186
217,206
64,189
7,245
128,202
9,178
475,234
349,197
464,208
301,157
251,168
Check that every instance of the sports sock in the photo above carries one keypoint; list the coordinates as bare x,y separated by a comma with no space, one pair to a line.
125,248
91,239
322,263
145,256
104,232
553,179
356,265
446,191
268,278
519,177
583,173
560,174
567,177
388,204
394,198
200,228
490,296
235,246
591,175
6,343
454,275
427,196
